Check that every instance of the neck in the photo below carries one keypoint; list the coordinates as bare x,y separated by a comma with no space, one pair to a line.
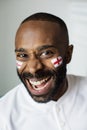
63,88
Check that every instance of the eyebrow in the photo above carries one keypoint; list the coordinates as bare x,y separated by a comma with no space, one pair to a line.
20,50
45,47
39,48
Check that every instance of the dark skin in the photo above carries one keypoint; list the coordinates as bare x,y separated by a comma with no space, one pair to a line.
36,44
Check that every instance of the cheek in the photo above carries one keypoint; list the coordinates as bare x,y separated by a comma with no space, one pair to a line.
47,64
19,64
56,62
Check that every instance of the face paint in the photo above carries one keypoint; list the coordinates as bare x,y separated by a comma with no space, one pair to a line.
19,64
57,61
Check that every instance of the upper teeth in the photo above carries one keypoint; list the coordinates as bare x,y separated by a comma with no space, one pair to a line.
38,82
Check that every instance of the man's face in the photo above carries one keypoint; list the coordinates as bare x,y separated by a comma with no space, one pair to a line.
37,43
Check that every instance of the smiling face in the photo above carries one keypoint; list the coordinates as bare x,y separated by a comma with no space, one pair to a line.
37,44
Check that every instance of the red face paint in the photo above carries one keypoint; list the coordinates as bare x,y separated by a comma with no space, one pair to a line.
19,64
57,61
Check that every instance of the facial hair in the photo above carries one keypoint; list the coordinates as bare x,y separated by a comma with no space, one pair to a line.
59,76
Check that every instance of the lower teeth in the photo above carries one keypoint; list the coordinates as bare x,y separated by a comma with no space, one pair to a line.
35,87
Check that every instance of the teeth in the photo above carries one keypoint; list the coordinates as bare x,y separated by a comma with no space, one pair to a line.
35,84
34,87
38,82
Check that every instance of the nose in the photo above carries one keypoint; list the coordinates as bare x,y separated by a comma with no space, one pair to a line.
34,65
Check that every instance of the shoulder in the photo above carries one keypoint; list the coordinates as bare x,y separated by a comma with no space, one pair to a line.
12,104
76,77
78,83
77,80
11,94
7,101
6,104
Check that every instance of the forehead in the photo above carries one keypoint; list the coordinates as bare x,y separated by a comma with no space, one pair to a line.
38,24
37,33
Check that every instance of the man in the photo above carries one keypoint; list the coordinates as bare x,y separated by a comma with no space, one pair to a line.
47,99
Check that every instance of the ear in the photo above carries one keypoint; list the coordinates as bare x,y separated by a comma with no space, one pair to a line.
69,54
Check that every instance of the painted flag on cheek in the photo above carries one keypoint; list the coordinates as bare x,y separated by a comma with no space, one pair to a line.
19,64
57,61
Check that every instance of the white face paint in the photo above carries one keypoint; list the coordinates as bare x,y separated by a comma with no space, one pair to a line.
57,61
19,64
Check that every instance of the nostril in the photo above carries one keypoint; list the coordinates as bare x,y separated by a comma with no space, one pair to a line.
34,66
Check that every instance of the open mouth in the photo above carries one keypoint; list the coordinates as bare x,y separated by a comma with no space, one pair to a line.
39,87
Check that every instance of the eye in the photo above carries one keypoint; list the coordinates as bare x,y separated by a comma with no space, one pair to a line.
22,55
47,54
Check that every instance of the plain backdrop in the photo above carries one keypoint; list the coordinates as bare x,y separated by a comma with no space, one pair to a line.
12,12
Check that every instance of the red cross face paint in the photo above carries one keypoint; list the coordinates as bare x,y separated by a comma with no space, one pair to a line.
57,61
19,64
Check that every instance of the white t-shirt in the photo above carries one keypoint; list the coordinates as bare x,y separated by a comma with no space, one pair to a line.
18,111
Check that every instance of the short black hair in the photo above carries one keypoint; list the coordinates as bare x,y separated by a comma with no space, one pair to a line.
42,16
